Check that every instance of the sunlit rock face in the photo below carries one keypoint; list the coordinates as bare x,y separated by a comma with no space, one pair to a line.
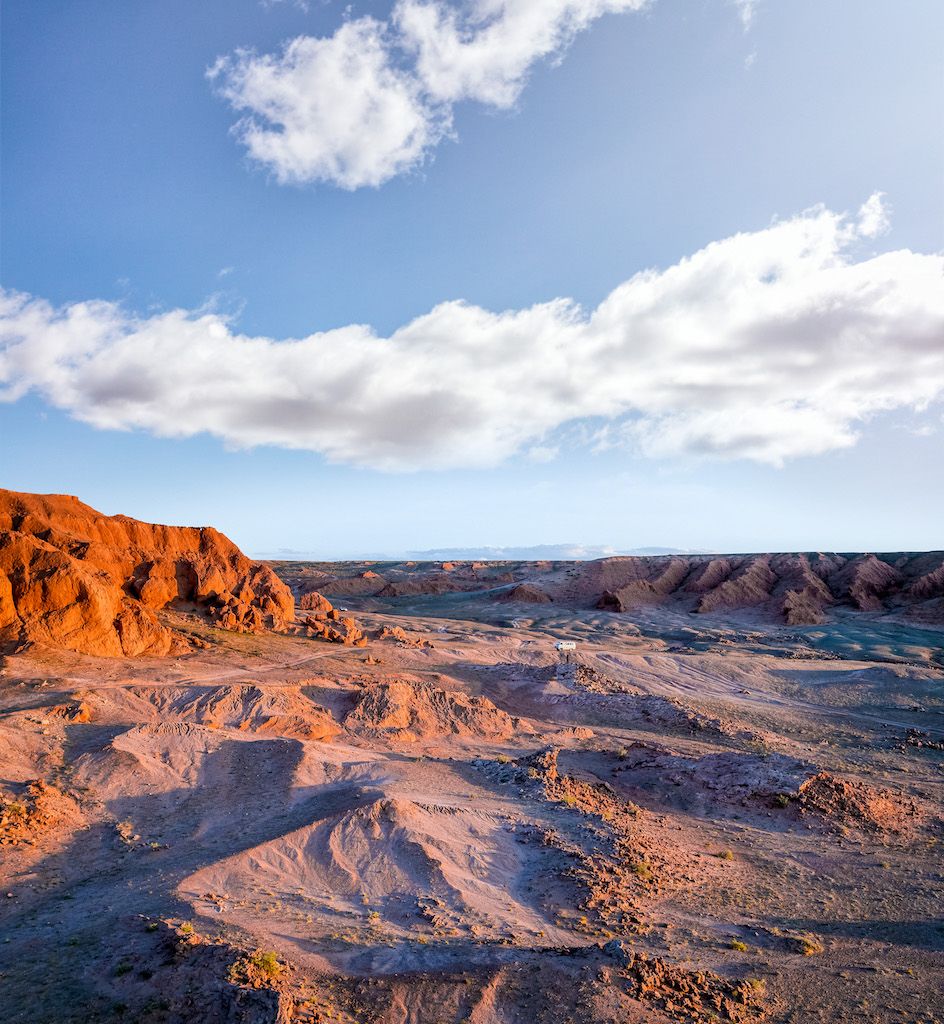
75,578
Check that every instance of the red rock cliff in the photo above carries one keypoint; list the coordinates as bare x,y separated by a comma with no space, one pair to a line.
75,578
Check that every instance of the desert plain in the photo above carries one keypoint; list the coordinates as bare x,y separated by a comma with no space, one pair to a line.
380,793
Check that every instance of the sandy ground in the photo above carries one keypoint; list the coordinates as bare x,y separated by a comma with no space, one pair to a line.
692,818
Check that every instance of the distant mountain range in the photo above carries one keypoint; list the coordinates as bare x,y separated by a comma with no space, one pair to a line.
534,553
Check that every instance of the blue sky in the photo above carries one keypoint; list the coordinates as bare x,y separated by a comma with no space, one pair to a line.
639,139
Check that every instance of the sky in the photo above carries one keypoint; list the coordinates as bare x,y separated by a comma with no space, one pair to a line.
379,278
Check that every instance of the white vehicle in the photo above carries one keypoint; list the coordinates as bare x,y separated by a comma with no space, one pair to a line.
566,645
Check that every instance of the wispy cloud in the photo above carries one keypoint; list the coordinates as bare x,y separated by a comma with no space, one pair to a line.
873,217
370,101
746,10
302,5
766,345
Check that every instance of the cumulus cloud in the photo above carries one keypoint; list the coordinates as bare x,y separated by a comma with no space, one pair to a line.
766,345
369,102
334,109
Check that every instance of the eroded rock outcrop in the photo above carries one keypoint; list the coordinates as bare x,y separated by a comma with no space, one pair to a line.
525,593
325,622
849,803
315,602
408,710
798,589
75,578
400,637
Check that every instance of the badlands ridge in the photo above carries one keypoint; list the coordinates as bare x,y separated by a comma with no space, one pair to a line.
377,793
795,589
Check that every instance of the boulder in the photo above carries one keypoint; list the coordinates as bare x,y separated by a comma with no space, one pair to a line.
315,602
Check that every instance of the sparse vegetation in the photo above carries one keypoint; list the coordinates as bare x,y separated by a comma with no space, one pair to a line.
642,870
807,945
256,969
266,963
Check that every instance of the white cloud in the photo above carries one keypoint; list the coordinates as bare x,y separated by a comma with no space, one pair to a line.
873,216
746,10
368,103
334,109
542,453
483,51
302,5
766,345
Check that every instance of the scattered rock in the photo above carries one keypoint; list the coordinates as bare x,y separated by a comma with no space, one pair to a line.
335,629
845,802
40,809
695,997
401,637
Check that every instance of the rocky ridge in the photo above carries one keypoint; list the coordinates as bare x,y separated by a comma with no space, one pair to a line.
75,578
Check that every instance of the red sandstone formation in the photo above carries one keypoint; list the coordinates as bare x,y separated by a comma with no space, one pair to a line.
314,602
400,636
335,628
75,578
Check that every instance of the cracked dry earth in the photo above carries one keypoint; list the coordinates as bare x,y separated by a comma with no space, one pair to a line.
691,821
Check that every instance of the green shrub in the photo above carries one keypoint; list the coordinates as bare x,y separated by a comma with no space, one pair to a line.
267,963
642,870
